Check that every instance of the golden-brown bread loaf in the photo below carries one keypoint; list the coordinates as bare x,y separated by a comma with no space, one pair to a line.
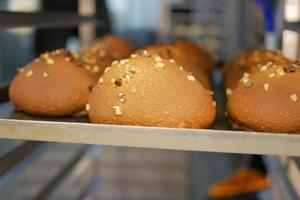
267,99
118,47
197,55
149,91
54,84
246,61
174,54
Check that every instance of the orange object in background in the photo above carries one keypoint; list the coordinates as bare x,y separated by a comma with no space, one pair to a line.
245,180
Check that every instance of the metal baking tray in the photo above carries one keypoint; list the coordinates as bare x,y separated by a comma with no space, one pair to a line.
218,138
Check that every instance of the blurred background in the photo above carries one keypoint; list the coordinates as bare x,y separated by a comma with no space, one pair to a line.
69,171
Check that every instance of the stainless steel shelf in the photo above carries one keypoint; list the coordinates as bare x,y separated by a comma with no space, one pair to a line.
44,19
79,131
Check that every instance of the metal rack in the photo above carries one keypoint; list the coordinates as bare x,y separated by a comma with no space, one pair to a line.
18,126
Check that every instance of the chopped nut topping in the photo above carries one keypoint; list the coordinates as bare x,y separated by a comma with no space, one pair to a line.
160,65
115,62
172,61
118,82
20,69
279,72
264,68
29,73
228,91
157,58
248,84
246,75
50,61
123,62
271,75
106,69
127,77
122,97
294,97
100,80
289,69
191,78
95,69
266,86
117,110
45,74
87,107
146,53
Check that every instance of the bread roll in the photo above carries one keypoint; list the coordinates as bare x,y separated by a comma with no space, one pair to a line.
147,90
267,99
55,84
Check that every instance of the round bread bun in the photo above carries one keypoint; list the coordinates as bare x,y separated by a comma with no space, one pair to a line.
117,47
53,85
198,55
174,54
145,91
267,100
246,61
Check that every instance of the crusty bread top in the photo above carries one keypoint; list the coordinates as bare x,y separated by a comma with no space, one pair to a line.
151,91
119,48
268,99
198,55
55,84
247,61
174,54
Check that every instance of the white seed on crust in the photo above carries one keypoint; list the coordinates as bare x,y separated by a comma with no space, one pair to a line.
122,97
157,58
294,97
115,62
45,74
50,61
228,91
146,53
172,61
95,69
191,77
279,72
264,68
123,62
100,80
29,73
106,69
181,68
271,75
87,107
133,55
266,86
117,110
160,65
